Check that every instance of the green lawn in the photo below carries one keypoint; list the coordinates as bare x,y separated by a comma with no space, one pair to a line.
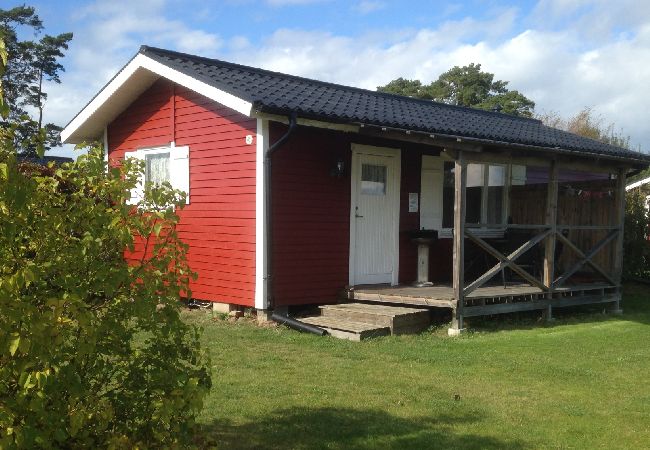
582,382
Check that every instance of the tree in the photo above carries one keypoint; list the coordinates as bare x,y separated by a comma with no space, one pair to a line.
466,86
589,124
93,350
30,64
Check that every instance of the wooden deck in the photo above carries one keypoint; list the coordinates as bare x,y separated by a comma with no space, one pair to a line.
488,299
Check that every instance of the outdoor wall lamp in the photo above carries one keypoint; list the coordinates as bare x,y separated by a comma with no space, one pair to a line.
339,169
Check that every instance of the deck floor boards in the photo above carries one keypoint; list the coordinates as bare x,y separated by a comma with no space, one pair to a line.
443,295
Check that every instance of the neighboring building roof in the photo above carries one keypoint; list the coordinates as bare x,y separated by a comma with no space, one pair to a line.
637,184
278,93
46,159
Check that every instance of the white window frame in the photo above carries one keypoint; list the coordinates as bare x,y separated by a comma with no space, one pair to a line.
179,175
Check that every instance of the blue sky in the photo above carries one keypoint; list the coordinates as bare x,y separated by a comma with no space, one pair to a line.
563,54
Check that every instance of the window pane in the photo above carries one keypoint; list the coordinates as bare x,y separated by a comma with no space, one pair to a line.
473,201
373,179
157,168
475,175
475,181
496,182
497,176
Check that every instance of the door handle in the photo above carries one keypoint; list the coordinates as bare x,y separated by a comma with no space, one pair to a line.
356,212
357,215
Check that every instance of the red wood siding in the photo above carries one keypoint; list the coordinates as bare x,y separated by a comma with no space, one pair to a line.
219,224
311,217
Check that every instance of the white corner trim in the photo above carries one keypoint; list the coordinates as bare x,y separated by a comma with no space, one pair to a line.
106,145
261,210
144,62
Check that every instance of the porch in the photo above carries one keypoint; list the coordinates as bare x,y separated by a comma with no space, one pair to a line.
488,300
527,232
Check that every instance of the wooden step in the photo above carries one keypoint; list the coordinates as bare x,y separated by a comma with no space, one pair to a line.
347,329
400,320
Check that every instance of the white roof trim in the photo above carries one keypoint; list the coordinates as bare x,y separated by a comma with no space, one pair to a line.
636,184
138,75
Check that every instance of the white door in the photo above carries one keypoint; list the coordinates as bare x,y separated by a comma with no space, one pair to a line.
374,215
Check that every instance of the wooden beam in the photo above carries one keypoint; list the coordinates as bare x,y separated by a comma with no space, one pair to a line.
498,255
580,254
526,159
419,138
504,308
505,261
460,184
551,222
619,217
603,242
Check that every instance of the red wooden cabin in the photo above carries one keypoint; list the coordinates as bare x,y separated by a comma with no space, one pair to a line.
300,188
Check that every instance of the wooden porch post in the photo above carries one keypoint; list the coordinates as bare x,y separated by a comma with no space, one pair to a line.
460,178
619,215
551,221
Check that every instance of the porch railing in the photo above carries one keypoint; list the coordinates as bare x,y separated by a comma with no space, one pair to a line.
549,233
546,232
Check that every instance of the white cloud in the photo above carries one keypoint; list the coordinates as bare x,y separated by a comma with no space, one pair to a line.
292,2
368,6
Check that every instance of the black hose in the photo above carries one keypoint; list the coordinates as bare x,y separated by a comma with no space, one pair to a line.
297,325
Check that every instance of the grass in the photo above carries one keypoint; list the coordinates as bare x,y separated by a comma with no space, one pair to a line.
581,382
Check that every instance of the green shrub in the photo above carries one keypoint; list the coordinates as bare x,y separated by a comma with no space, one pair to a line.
93,352
636,260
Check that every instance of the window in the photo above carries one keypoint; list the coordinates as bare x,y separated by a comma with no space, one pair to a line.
156,169
485,196
163,164
373,179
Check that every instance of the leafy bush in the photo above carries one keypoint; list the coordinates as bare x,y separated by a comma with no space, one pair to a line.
93,351
636,261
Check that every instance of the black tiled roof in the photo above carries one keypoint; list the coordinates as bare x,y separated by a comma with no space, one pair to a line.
279,93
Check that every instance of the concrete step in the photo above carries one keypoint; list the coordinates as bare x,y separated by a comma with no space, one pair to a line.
347,329
399,319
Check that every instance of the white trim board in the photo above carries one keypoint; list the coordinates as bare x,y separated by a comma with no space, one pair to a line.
135,78
261,210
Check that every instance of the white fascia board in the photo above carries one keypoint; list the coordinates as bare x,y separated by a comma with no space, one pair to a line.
241,106
637,184
347,128
261,210
101,108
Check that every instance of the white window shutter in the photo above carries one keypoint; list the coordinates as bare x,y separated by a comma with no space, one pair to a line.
137,194
179,169
431,193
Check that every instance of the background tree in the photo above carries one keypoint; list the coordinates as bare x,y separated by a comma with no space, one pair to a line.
30,64
589,124
466,86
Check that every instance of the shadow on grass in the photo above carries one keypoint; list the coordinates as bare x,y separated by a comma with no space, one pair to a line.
309,428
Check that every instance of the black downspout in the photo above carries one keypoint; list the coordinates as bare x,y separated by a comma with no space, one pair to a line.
267,190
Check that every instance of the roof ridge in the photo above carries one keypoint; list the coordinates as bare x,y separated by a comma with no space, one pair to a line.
145,48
